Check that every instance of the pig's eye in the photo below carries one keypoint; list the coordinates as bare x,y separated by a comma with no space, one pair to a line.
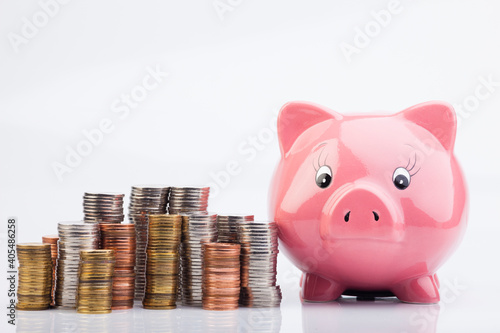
401,178
324,176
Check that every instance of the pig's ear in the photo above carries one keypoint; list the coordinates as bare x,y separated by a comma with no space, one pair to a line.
438,118
296,117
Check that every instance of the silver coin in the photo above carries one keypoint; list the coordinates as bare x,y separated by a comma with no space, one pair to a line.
144,200
73,237
259,250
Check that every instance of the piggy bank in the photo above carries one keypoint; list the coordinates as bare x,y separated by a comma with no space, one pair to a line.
368,204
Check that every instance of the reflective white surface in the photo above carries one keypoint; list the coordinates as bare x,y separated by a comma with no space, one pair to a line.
386,315
141,320
345,315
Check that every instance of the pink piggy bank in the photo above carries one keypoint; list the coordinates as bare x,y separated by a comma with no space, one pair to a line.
369,204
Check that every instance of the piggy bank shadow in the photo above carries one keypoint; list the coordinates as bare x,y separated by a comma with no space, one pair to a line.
349,314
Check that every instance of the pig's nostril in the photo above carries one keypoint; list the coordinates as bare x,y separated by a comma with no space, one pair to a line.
346,217
375,215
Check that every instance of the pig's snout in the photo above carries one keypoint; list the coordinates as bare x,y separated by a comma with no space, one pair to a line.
361,212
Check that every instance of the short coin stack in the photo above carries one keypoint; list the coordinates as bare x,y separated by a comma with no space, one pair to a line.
35,276
221,276
95,281
121,239
73,237
188,199
227,226
259,252
52,240
196,230
162,266
103,207
144,200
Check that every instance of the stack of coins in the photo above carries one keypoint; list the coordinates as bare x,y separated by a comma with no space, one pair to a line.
221,276
149,199
188,199
73,237
121,239
259,253
196,230
144,200
35,276
227,226
162,266
95,281
52,240
103,207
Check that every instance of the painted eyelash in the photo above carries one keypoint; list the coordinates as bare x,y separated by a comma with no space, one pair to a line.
319,160
413,166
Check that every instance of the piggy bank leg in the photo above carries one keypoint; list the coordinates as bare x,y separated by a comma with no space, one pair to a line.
423,289
436,280
318,289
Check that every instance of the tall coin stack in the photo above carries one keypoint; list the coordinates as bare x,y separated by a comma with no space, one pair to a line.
188,199
52,240
259,253
73,237
35,276
196,230
221,276
95,281
162,266
121,239
227,226
103,207
144,200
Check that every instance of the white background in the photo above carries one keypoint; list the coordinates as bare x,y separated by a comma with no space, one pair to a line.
229,73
